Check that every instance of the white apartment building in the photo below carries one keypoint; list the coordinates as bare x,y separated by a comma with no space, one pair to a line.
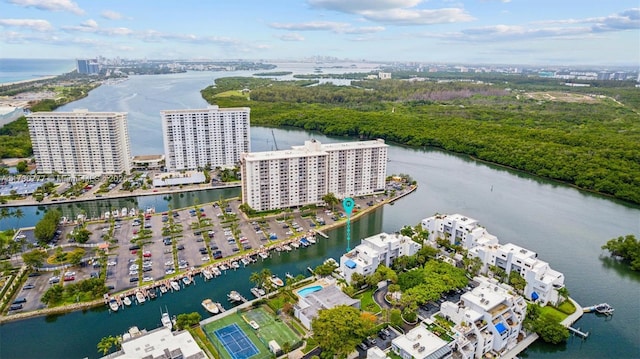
488,319
80,142
458,229
420,343
381,248
303,174
542,281
212,136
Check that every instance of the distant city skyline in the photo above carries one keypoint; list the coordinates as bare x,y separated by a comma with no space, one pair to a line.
543,32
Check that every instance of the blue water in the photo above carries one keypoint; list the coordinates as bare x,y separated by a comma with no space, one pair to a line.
12,70
308,290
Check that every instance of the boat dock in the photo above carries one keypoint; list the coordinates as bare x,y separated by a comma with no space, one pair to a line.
602,308
322,234
578,332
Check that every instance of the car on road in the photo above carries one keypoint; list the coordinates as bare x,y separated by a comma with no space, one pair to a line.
15,307
371,341
133,279
54,280
362,346
29,286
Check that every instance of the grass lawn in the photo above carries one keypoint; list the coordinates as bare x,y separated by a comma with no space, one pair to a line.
552,312
567,307
271,327
231,93
367,303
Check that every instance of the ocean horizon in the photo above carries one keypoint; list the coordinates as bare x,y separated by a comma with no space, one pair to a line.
12,70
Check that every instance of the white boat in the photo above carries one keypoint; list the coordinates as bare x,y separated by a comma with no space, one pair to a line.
295,245
245,261
175,285
186,280
207,274
113,305
235,265
223,267
255,292
216,271
210,306
288,275
235,296
311,239
140,297
163,288
263,255
287,248
166,320
127,301
277,281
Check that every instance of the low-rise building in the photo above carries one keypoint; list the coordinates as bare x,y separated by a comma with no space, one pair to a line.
328,297
178,178
542,281
420,343
160,343
148,162
488,319
381,248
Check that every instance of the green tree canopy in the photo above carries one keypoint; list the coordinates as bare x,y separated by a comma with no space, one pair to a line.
627,248
339,330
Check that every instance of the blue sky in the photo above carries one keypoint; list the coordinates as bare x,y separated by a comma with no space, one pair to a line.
559,32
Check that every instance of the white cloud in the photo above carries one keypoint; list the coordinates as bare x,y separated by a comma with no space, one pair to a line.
111,15
311,26
33,24
50,5
418,17
357,6
396,12
336,27
291,37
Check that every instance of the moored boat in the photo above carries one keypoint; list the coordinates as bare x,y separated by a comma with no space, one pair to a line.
311,239
235,265
163,288
175,285
207,274
216,271
186,280
255,292
140,297
287,248
166,320
245,261
276,281
234,296
223,267
113,304
126,300
304,242
263,255
295,245
210,306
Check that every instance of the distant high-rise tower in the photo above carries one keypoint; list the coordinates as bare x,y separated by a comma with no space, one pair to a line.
212,136
80,142
87,66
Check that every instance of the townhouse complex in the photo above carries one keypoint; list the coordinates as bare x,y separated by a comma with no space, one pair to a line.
80,142
213,137
304,174
542,281
382,248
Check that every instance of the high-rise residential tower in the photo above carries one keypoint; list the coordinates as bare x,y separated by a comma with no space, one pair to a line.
212,136
80,142
304,174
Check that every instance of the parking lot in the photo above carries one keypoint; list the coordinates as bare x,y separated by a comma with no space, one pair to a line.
208,232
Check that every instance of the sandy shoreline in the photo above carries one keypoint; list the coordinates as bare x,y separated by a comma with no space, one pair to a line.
29,80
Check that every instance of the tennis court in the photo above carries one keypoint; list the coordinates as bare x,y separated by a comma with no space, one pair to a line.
236,342
270,327
220,334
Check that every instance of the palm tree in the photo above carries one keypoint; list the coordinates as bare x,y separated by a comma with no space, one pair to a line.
105,345
256,278
19,214
330,199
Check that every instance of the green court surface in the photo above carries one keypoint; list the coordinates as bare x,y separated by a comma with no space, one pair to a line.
270,328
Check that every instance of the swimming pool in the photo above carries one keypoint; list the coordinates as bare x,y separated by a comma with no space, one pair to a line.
308,290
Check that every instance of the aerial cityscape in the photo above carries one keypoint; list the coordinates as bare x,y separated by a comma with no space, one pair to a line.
321,179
